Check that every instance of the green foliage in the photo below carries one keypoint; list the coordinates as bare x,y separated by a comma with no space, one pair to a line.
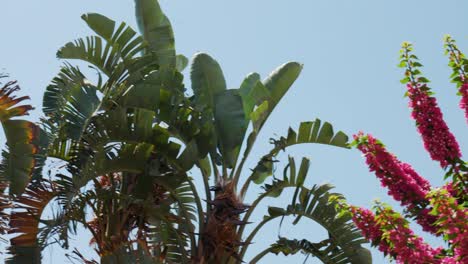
293,246
18,161
344,242
108,51
457,61
207,80
230,124
157,31
70,101
309,132
125,146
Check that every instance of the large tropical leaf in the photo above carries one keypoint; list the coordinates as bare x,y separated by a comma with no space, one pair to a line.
260,99
186,206
268,93
156,93
157,31
9,103
253,93
231,124
280,80
18,162
277,84
207,80
165,98
146,93
223,120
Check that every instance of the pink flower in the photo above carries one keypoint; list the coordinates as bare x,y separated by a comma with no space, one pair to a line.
449,260
365,220
426,221
405,185
464,100
452,221
390,232
438,140
411,248
403,182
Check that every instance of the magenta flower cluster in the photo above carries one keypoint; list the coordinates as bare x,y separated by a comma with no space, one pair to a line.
441,211
464,100
410,248
452,219
438,140
390,231
404,184
364,219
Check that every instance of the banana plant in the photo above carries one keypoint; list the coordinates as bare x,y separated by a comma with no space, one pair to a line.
122,152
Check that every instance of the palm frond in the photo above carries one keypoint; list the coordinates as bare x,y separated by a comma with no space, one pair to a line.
5,204
69,103
168,243
291,179
309,132
345,239
109,50
319,250
24,222
70,100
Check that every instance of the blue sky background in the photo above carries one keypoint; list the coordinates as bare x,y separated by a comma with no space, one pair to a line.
349,50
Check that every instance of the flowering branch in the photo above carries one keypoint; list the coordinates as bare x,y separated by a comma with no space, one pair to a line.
404,184
438,140
442,211
390,232
451,220
459,65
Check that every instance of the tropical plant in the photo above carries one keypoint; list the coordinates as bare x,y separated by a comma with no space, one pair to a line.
122,147
440,211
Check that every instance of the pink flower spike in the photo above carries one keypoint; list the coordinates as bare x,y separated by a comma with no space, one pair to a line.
403,182
438,140
390,233
452,221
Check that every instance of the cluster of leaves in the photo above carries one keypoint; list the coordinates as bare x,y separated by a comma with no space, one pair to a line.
114,156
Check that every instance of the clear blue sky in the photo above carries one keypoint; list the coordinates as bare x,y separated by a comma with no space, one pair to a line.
349,50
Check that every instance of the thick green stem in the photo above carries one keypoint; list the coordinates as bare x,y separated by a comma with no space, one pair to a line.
244,159
215,169
250,211
201,217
